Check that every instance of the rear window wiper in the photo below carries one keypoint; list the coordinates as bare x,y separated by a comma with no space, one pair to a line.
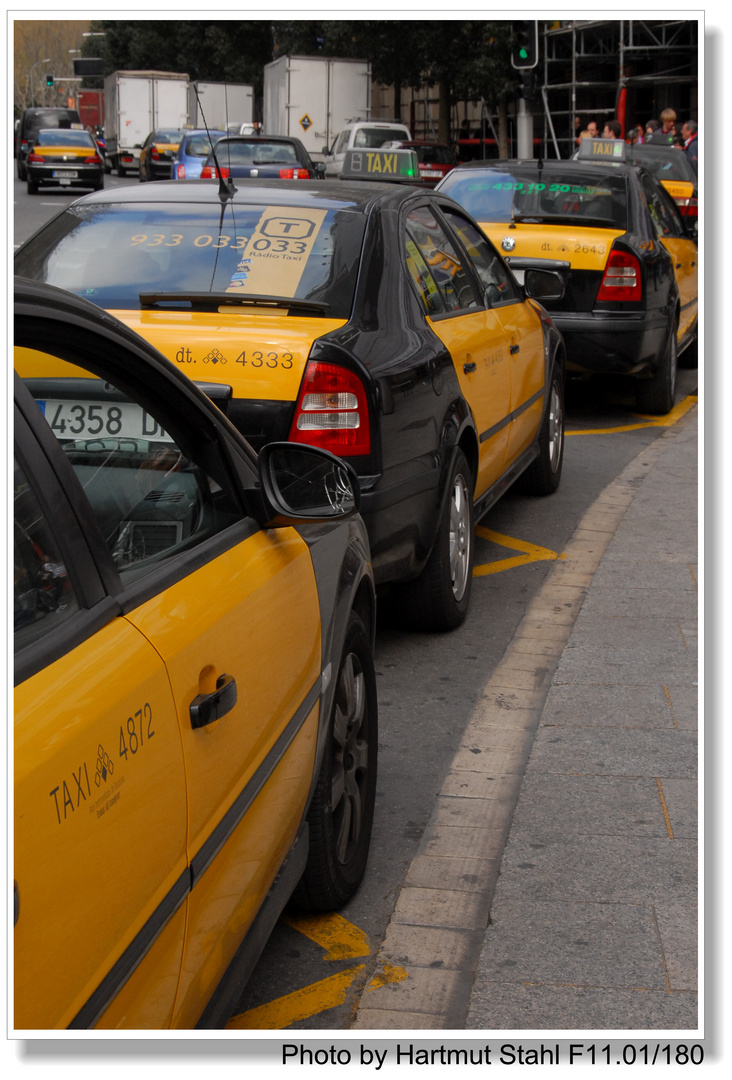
207,301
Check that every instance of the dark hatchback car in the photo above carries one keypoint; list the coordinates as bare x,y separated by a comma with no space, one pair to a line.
265,157
374,320
629,259
674,170
157,153
435,159
32,120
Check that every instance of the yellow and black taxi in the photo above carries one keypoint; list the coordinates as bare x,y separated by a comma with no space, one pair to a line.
675,172
372,319
630,260
157,153
64,157
195,732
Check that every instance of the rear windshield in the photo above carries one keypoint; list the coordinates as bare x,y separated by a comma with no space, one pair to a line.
256,153
375,137
110,254
200,145
168,136
61,137
672,166
592,196
50,118
434,155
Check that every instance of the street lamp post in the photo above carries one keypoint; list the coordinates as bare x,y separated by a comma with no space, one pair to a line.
46,61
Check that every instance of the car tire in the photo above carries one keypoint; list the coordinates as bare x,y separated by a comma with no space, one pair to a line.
342,809
121,171
658,394
22,174
543,475
32,186
439,598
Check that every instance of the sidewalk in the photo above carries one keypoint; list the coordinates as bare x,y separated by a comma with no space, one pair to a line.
567,821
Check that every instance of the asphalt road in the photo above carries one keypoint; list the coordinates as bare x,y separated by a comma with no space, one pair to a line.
312,973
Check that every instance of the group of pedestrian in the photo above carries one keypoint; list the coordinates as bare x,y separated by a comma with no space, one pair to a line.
663,132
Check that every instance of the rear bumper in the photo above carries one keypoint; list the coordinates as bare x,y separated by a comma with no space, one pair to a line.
612,343
87,176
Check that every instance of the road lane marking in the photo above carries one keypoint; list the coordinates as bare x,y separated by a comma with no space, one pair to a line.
340,938
531,553
648,421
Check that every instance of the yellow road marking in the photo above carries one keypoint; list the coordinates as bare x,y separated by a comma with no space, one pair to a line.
666,815
299,1005
648,421
340,938
388,974
531,552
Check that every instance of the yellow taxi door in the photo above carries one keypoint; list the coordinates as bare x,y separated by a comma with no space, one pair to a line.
682,249
522,327
248,617
100,809
470,332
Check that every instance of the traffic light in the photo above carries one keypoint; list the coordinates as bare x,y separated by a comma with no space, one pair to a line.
525,53
49,80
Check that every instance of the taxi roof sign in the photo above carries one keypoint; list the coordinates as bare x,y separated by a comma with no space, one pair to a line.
601,150
381,165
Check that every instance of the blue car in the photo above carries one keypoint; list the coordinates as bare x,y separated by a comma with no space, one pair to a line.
192,153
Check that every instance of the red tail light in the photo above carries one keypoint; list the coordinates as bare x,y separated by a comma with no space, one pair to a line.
208,172
622,280
36,158
688,207
180,172
93,160
332,411
294,174
154,154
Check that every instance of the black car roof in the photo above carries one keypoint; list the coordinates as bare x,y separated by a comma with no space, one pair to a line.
355,195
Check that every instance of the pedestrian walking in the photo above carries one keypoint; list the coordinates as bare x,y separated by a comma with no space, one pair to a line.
666,133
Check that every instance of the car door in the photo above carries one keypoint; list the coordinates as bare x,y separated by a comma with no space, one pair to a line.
100,862
682,248
521,327
232,612
471,333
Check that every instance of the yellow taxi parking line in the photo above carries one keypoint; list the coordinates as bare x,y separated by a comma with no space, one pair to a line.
531,552
299,1005
341,939
664,421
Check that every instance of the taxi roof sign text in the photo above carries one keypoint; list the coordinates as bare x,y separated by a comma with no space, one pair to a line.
601,150
381,165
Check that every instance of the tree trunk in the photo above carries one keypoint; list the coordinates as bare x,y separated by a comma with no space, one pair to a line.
443,122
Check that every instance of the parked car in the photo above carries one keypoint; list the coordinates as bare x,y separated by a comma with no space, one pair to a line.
361,135
32,120
435,159
263,156
372,319
674,170
190,157
156,154
64,157
195,731
630,261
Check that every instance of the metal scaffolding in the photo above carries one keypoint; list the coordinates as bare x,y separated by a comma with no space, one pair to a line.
624,69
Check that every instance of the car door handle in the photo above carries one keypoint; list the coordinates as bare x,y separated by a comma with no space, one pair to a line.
468,368
206,708
514,349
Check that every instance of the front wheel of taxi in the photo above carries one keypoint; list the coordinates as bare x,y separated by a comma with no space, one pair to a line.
658,394
342,809
543,475
438,599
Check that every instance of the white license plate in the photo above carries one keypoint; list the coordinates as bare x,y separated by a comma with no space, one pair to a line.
431,174
102,420
65,174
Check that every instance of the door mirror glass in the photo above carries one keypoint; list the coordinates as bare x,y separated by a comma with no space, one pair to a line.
306,483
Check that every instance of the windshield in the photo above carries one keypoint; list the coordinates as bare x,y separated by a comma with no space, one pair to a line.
255,153
64,137
531,194
373,138
110,254
672,166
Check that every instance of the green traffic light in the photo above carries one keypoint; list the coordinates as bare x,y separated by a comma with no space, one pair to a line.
523,53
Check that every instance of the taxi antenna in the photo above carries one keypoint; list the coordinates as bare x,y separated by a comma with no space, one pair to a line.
227,189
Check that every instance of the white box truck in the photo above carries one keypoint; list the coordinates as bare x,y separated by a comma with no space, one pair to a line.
136,103
223,105
312,97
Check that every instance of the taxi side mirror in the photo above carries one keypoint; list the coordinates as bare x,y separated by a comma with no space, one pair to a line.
544,285
301,484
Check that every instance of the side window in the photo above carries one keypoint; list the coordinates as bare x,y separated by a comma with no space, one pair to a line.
662,216
153,493
487,263
437,252
342,144
43,596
